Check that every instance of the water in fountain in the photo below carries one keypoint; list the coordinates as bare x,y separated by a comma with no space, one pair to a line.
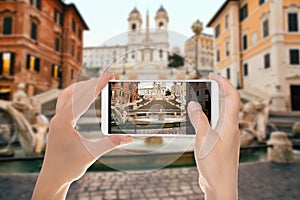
7,151
6,136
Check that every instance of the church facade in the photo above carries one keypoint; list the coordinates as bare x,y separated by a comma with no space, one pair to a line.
144,45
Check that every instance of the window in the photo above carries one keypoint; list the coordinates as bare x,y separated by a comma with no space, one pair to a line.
217,31
55,71
33,63
133,27
79,33
73,50
244,12
254,38
161,25
245,42
226,21
266,28
161,53
58,17
7,63
228,73
34,31
294,57
74,26
267,61
218,55
72,74
293,22
57,44
79,55
245,69
261,2
7,25
36,3
227,48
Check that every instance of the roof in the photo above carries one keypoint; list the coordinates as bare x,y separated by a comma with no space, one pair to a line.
202,34
73,6
135,10
219,12
161,9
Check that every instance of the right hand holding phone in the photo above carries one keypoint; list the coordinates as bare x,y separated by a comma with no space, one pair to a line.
217,150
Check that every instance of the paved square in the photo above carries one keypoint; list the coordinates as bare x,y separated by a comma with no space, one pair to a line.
257,181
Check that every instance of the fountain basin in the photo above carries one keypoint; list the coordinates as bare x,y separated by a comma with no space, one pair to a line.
7,153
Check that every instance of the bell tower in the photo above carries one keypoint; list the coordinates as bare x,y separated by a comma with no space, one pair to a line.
162,18
134,20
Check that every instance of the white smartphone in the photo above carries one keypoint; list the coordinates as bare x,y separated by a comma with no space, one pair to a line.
158,107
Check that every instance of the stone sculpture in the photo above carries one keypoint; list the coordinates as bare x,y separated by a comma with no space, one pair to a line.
30,125
253,122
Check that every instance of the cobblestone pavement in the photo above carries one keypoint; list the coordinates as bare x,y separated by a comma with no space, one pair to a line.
257,181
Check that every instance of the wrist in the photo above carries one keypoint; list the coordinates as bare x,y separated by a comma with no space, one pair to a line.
223,194
225,188
51,186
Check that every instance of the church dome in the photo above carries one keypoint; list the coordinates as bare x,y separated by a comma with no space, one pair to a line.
135,11
161,9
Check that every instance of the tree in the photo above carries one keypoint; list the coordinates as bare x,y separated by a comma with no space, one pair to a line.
175,61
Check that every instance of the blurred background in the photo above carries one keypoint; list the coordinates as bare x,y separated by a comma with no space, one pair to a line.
47,45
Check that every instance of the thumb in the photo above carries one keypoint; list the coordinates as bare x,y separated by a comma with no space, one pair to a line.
106,144
198,120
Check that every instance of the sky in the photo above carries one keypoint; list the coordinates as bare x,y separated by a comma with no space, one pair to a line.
108,18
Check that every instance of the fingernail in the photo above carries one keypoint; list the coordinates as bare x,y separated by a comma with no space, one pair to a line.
193,106
126,140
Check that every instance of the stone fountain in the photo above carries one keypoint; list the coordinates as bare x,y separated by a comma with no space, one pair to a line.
30,126
253,122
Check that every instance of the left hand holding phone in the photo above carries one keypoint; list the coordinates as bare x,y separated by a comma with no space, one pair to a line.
68,155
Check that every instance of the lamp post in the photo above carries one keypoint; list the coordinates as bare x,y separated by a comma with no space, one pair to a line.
197,28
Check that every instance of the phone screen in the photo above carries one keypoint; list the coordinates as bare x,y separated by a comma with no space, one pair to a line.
155,107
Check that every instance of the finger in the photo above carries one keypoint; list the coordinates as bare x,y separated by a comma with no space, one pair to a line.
229,106
85,93
198,120
76,99
225,86
106,144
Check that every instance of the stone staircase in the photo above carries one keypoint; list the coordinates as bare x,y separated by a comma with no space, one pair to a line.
89,123
254,95
150,107
46,102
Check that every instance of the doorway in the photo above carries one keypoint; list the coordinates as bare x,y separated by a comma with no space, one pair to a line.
295,97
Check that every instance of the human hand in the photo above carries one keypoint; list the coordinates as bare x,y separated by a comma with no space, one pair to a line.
217,151
68,154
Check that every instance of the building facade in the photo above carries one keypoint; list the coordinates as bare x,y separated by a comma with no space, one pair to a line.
257,46
41,45
143,45
124,93
204,51
102,56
